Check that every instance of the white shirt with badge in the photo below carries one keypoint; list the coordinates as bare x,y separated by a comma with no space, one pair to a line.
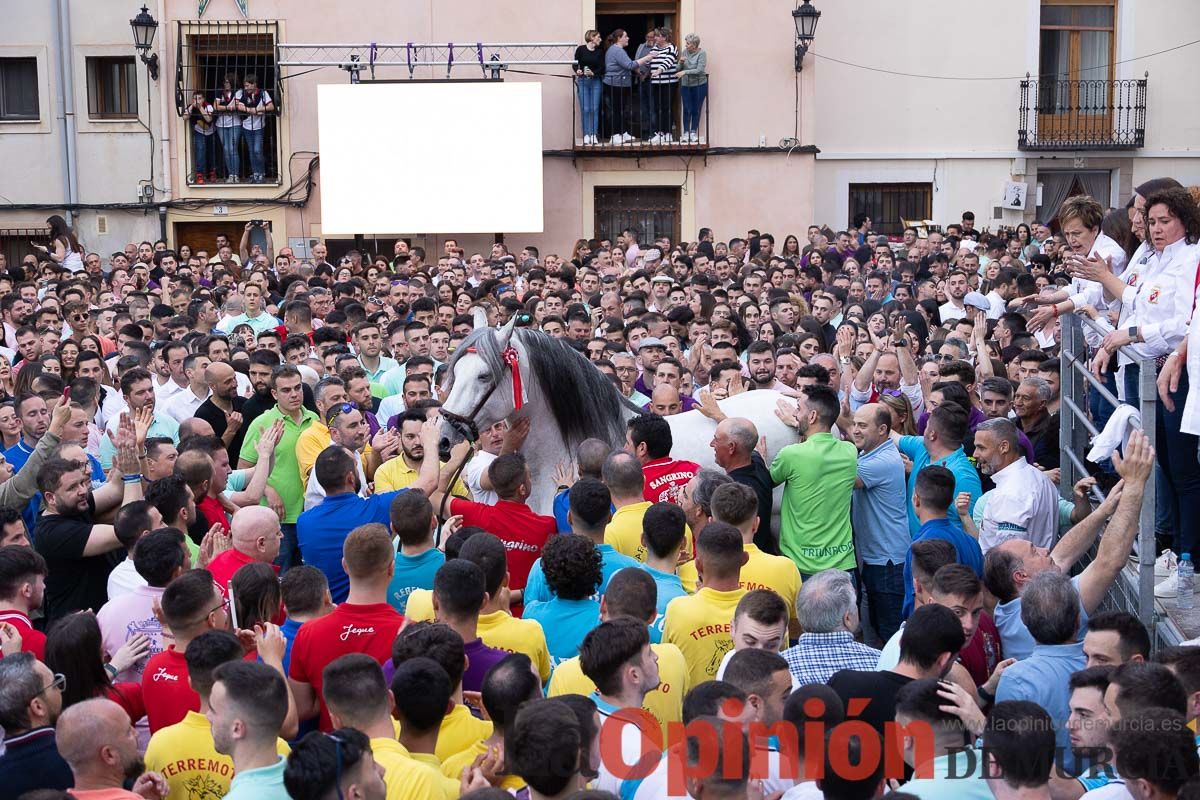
1159,296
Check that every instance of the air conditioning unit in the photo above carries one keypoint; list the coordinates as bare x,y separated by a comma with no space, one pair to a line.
101,225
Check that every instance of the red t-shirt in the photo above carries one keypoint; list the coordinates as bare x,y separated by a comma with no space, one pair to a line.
165,689
213,511
32,641
129,697
226,565
350,628
981,655
523,532
666,479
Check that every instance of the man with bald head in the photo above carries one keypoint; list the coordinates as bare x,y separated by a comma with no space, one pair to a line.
194,426
256,535
664,400
733,446
223,408
97,740
880,533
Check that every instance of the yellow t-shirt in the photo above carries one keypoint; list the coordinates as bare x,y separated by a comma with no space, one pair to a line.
405,778
451,785
452,767
506,632
420,606
777,573
394,475
699,625
665,702
184,754
310,444
624,533
459,730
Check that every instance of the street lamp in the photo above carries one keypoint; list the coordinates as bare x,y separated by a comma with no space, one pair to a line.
144,27
805,18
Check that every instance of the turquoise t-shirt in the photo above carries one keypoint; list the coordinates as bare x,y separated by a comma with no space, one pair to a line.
413,572
669,587
565,623
536,590
966,478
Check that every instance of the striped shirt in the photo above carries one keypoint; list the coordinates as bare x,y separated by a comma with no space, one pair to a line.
666,60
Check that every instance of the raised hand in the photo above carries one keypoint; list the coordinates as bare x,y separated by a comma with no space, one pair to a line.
10,639
134,650
269,440
215,542
1136,466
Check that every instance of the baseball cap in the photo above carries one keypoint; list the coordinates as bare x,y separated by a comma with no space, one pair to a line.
653,254
976,300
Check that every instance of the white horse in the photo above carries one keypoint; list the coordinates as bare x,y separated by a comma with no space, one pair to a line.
508,373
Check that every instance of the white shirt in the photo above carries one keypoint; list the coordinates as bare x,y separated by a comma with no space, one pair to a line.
999,305
1091,293
804,791
124,579
254,122
165,391
112,405
315,494
473,472
1159,296
1024,505
949,311
656,784
244,387
183,405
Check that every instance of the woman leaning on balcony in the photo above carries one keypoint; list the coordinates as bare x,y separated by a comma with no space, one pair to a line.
619,101
589,69
693,82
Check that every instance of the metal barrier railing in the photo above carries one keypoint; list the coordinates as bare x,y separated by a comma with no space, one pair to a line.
1134,589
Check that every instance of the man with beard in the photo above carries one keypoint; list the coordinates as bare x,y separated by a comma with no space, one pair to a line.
401,471
760,360
223,408
97,740
30,703
262,363
1024,504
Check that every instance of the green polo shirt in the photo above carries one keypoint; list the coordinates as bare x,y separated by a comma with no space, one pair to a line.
285,476
814,521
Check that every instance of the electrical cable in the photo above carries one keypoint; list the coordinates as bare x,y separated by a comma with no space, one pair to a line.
1004,78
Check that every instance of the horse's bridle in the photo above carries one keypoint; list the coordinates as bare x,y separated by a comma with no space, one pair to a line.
466,426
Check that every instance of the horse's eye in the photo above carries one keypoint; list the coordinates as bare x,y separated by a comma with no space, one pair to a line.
484,378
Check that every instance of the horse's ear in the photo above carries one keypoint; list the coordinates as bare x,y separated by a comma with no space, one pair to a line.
479,317
504,335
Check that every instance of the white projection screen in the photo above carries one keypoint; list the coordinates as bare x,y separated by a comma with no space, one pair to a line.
437,157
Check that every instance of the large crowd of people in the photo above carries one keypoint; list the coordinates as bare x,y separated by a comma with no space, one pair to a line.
237,558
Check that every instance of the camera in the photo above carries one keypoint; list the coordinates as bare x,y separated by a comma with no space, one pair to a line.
257,223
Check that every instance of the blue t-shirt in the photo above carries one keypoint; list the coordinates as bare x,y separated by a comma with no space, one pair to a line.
881,535
965,547
536,590
669,587
413,572
565,623
17,455
966,479
562,504
322,530
1015,639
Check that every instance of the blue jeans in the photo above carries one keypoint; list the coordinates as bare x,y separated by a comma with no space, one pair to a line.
289,548
884,585
589,104
231,138
254,143
202,152
693,101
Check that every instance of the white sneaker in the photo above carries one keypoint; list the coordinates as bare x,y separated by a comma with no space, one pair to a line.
657,139
1164,565
626,138
618,138
1169,587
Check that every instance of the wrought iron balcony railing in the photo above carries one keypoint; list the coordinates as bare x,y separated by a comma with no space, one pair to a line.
1082,114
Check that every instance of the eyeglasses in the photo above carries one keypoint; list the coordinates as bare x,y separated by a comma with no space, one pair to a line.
59,681
337,779
344,408
945,357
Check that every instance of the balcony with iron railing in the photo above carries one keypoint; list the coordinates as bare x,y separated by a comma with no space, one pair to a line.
639,120
1082,114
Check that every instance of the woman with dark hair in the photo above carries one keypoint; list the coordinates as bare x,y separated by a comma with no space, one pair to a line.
6,379
75,648
1136,207
67,252
769,331
229,127
51,365
10,424
1024,235
28,372
750,314
255,590
931,311
619,98
1117,226
791,248
589,69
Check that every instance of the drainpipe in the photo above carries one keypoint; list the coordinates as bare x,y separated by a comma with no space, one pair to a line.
64,100
165,102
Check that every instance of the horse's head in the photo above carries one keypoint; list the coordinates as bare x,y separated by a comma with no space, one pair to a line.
482,390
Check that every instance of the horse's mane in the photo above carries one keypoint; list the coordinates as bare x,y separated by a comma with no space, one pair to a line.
584,402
